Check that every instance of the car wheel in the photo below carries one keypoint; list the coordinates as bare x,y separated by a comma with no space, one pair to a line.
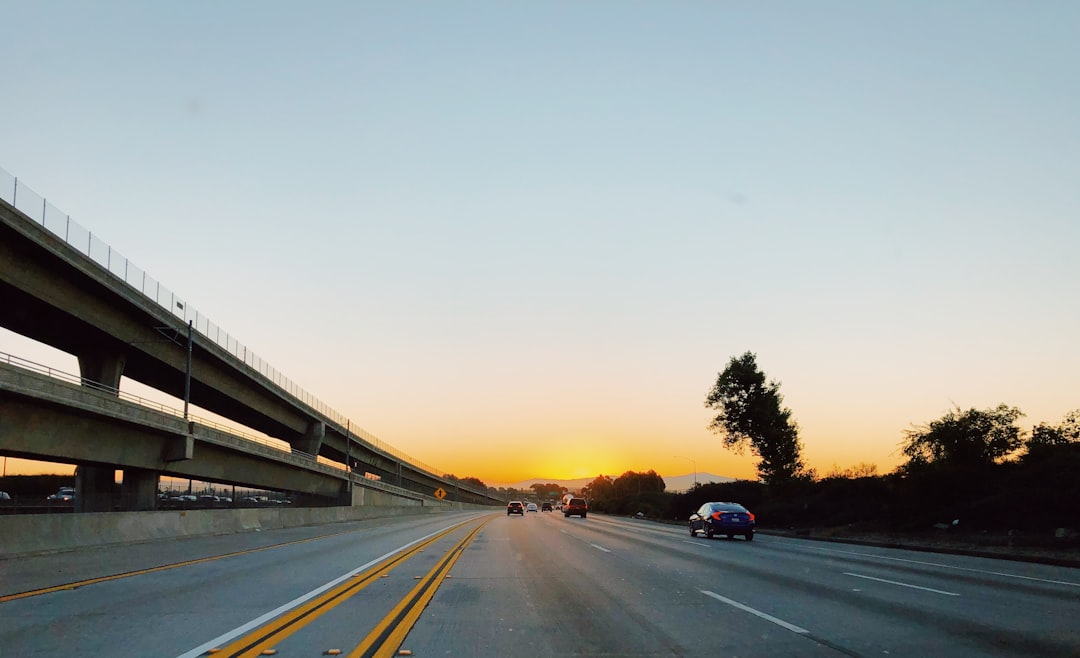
693,533
749,536
729,536
583,515
708,532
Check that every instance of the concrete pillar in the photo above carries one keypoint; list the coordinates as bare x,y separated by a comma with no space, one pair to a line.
138,493
312,441
95,488
104,369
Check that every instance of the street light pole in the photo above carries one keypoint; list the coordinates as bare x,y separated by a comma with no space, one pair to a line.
694,464
187,373
348,456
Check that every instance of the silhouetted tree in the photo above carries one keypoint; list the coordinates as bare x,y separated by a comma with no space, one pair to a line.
471,482
631,484
1055,435
750,412
549,491
601,488
964,438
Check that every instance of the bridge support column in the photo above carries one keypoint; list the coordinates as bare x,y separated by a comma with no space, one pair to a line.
104,369
313,440
95,488
139,490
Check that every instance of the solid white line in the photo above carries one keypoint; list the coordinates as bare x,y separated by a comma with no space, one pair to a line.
276,612
894,582
601,548
947,566
779,622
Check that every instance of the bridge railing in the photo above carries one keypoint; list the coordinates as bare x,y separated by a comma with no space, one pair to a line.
37,208
25,364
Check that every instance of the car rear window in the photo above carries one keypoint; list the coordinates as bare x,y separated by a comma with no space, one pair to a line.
728,507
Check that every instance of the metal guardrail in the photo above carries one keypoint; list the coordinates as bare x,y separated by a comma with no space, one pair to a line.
38,209
25,364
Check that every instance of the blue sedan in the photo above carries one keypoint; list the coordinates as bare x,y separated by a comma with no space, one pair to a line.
728,519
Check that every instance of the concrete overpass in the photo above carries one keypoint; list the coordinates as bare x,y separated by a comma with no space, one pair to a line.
59,287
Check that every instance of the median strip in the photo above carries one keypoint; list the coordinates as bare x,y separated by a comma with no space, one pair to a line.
300,613
388,634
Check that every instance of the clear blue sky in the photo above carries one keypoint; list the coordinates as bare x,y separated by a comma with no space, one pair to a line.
468,225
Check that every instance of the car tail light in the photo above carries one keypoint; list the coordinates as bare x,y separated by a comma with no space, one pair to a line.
717,515
751,515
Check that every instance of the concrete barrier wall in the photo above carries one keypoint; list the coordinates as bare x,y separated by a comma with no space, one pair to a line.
50,533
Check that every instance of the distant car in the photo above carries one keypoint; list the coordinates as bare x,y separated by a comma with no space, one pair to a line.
545,507
64,495
515,507
576,506
728,519
531,507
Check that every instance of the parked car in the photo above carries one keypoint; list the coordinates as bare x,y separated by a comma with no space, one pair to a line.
515,507
576,506
531,507
728,519
545,507
64,495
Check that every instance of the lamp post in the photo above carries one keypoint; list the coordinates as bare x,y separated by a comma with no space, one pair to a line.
694,463
187,373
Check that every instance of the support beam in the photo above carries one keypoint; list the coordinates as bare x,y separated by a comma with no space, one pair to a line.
95,488
103,369
312,441
139,490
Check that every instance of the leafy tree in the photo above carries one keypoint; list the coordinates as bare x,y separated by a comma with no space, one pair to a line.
473,482
549,491
631,483
750,412
602,488
1049,435
964,438
860,470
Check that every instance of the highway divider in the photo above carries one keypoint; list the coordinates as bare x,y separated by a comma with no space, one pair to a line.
31,534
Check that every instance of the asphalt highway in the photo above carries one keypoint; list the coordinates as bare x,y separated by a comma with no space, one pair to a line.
485,584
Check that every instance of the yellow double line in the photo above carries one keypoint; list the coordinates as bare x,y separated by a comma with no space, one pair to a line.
392,628
389,633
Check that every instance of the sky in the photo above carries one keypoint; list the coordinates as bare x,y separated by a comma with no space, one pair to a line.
520,240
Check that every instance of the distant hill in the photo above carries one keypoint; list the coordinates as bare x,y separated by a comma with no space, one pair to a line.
672,483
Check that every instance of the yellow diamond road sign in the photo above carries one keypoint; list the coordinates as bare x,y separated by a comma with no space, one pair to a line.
440,494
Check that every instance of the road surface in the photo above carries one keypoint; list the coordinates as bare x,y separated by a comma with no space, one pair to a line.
487,584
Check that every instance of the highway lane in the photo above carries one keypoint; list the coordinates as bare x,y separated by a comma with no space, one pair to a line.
541,585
